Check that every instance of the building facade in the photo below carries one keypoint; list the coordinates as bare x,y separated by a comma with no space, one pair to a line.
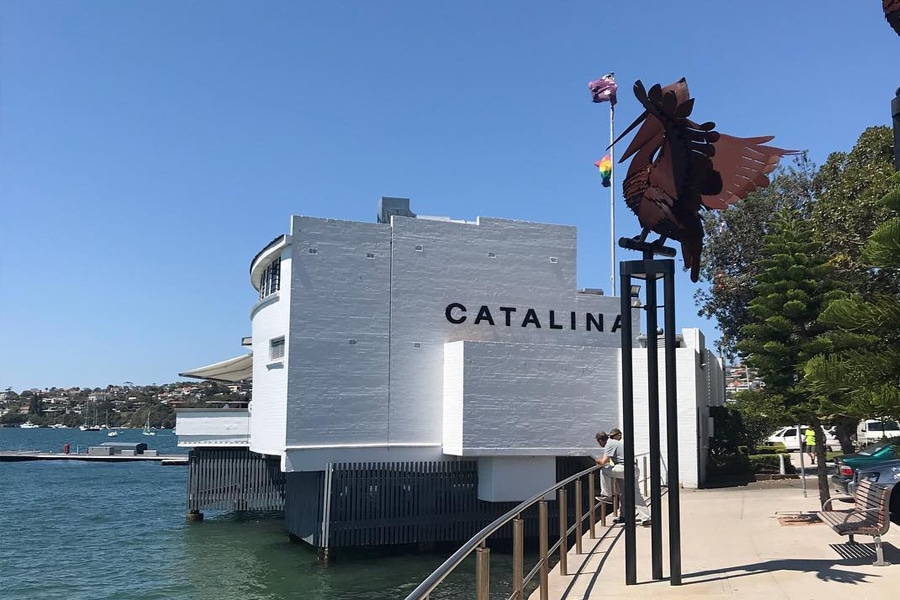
431,339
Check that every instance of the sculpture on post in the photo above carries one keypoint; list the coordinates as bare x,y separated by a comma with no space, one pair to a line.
679,166
892,13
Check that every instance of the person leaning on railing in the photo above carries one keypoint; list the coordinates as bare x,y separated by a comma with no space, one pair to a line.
613,463
606,464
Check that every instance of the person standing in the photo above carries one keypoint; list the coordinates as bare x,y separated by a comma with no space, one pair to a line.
616,453
810,438
606,464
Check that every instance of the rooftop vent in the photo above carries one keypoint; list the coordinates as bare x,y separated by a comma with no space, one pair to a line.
388,207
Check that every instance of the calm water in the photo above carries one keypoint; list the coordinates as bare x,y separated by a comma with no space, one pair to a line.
91,531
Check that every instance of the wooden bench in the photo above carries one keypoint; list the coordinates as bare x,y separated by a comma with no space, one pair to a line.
870,515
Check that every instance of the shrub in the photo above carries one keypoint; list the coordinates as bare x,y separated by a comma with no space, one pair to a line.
770,464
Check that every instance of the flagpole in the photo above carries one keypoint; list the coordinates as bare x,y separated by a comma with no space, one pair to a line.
612,200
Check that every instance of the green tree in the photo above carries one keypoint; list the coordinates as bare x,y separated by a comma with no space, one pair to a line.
848,206
792,289
733,248
36,405
865,368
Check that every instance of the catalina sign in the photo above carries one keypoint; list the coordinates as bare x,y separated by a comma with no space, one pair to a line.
511,316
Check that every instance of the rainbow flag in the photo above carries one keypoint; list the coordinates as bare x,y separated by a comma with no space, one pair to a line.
605,166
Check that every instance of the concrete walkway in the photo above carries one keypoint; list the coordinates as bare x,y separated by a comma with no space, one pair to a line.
735,546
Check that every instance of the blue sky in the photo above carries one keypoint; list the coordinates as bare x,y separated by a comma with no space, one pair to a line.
148,150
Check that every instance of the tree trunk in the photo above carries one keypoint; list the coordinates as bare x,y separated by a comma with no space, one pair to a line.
845,429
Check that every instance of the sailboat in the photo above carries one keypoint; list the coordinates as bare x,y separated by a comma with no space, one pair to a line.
147,427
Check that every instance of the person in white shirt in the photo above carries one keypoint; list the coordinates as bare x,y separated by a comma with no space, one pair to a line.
613,463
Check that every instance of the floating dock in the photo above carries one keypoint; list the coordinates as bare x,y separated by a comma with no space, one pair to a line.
167,460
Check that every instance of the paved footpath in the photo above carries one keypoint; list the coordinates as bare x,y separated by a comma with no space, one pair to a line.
733,545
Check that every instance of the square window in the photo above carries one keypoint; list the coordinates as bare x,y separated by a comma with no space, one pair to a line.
276,348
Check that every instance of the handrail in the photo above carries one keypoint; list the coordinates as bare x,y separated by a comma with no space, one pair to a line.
439,574
431,582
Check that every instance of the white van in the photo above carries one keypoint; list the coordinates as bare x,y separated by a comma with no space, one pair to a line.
872,430
788,437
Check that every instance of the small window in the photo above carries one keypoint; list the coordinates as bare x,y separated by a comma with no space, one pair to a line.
492,255
313,250
270,279
276,348
370,255
554,260
420,248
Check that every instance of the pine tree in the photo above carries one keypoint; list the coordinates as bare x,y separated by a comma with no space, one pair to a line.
784,332
865,367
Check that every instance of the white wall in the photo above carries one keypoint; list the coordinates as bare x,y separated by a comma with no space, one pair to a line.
340,299
268,409
696,380
495,263
515,478
196,427
375,370
527,399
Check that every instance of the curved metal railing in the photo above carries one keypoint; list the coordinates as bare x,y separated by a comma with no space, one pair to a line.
478,543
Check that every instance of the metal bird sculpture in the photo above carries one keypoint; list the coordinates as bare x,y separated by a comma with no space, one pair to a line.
679,167
892,13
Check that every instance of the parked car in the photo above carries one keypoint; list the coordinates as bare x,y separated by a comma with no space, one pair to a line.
870,431
885,473
846,466
788,437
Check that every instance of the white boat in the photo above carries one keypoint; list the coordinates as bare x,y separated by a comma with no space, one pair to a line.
29,425
112,433
147,427
58,426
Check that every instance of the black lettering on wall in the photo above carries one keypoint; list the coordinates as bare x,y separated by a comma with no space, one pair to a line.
448,312
589,319
617,324
531,317
553,324
484,314
508,310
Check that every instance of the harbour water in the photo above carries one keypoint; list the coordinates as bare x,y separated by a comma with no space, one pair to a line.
73,530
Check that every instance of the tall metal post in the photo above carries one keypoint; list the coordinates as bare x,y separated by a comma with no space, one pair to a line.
628,426
653,417
651,270
674,494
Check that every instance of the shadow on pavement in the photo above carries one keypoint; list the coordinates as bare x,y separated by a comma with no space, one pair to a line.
848,555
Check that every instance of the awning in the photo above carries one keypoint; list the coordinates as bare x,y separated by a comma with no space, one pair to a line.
228,371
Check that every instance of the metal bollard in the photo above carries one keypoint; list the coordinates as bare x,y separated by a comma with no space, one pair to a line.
592,498
563,536
518,558
579,517
542,541
483,572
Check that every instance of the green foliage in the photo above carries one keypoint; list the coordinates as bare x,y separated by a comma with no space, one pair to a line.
776,449
729,432
848,207
734,246
784,332
770,464
864,370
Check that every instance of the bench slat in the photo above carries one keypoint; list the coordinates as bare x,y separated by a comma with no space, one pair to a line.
869,515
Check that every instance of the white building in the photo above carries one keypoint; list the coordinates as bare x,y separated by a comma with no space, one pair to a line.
424,339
